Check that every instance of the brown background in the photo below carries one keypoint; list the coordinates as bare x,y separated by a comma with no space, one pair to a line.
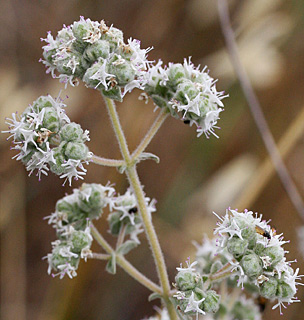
195,176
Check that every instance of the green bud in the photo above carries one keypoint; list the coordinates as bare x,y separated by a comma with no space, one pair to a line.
93,83
176,73
42,102
59,158
114,36
186,280
93,52
284,290
122,69
186,88
237,247
268,289
51,120
80,29
76,151
211,303
95,202
48,55
80,240
58,259
71,132
252,265
275,253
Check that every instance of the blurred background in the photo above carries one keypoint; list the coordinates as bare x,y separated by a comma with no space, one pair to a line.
195,175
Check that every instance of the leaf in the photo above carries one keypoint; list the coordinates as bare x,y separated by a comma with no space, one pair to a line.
111,265
148,156
126,247
154,296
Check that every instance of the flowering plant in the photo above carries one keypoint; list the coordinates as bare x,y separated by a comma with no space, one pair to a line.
248,253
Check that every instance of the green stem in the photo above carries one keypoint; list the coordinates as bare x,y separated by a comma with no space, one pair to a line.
150,134
143,210
224,272
107,162
123,263
99,256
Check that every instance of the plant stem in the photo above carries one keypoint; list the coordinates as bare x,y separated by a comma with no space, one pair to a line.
143,210
162,116
124,264
224,272
107,162
256,109
99,256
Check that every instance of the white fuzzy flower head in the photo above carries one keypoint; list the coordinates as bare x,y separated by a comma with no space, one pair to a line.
257,255
97,54
47,140
187,93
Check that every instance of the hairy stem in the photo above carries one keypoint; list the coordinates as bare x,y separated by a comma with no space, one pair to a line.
123,263
107,162
143,210
256,109
162,116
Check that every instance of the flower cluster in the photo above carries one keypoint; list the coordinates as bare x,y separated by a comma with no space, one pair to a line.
258,256
97,54
47,140
240,308
192,297
187,93
124,217
72,219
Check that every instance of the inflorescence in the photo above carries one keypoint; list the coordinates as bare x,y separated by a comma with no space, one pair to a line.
47,140
73,217
97,54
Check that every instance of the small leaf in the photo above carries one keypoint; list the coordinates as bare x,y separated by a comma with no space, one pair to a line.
154,296
126,247
148,156
111,265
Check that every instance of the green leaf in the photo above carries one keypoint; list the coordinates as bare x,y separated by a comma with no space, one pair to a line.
126,247
111,265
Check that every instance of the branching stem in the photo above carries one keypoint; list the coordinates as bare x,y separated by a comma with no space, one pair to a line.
143,210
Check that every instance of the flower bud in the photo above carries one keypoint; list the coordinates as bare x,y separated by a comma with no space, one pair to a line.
42,102
252,265
71,132
122,69
176,73
186,91
76,150
80,240
275,253
93,199
58,154
284,290
268,289
51,120
90,72
61,258
114,36
93,52
80,29
186,280
211,303
237,247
